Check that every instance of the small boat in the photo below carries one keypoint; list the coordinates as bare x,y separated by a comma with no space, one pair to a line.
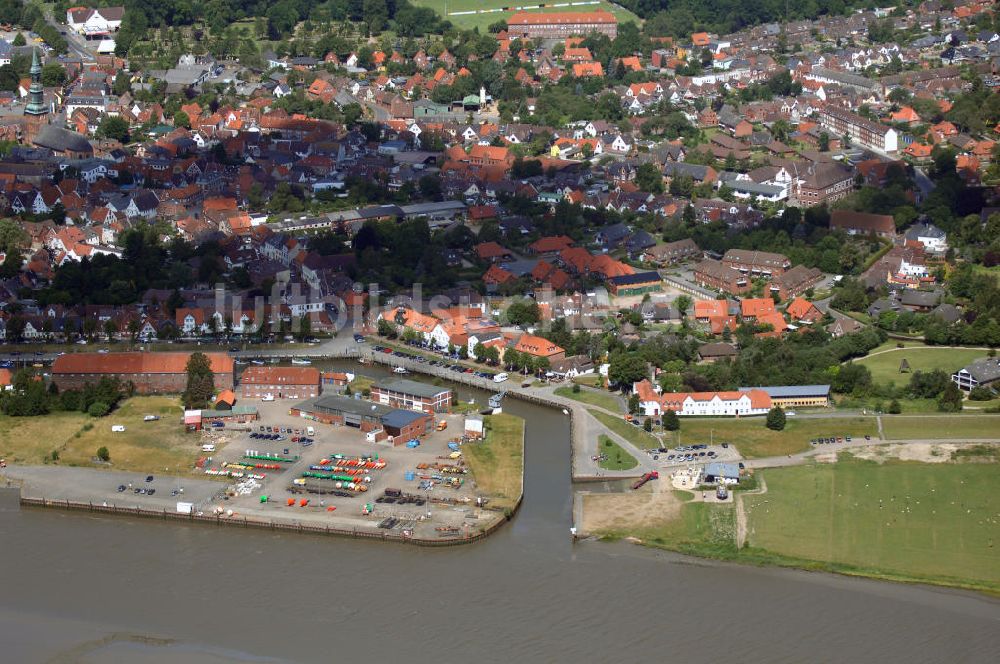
399,370
267,397
259,363
301,360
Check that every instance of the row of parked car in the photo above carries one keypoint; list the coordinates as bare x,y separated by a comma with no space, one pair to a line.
833,440
443,363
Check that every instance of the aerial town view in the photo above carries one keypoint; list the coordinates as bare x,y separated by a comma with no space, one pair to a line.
395,328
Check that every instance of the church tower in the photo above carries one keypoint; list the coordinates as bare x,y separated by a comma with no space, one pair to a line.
36,113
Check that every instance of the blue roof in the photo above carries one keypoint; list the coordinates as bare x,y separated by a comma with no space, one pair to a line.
397,419
788,391
717,469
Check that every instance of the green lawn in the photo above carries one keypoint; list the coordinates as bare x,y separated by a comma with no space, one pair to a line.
700,529
482,21
885,367
591,380
633,434
31,440
904,520
618,459
754,440
590,397
497,463
902,427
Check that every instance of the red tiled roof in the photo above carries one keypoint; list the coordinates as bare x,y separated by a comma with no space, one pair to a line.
561,18
138,363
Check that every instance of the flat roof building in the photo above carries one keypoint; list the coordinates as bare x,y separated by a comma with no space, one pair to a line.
382,422
412,395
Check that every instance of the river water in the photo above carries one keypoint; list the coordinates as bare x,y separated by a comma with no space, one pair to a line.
107,589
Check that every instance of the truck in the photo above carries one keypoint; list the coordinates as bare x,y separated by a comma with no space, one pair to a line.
639,483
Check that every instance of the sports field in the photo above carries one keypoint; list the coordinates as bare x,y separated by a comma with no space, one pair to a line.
911,521
483,20
885,366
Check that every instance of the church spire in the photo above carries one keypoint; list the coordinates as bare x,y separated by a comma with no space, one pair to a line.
36,95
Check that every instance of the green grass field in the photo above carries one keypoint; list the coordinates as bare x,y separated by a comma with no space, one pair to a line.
618,459
498,462
143,446
482,21
600,399
633,434
754,440
903,520
885,366
901,427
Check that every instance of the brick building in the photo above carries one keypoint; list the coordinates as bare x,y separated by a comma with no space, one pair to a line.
672,252
280,382
859,129
756,263
559,25
412,395
378,421
796,281
151,373
863,223
714,274
824,183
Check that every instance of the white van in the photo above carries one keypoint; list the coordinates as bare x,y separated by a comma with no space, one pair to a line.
499,378
310,431
117,428
208,448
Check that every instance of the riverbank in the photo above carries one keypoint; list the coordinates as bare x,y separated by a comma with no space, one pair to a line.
870,514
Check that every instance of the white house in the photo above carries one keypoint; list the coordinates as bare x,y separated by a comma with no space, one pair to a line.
933,239
95,21
716,404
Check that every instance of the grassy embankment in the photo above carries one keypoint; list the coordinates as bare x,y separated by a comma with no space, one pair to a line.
601,399
748,435
899,521
497,463
916,427
618,459
633,434
144,446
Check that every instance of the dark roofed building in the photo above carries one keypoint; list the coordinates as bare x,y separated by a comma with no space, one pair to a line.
796,281
412,395
377,421
716,351
64,142
673,251
714,274
981,373
757,263
639,283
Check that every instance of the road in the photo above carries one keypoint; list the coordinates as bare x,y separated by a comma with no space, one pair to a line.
78,46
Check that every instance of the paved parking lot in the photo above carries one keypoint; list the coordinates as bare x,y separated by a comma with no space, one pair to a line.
331,440
685,455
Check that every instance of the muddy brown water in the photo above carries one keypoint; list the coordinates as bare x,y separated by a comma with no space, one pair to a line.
77,588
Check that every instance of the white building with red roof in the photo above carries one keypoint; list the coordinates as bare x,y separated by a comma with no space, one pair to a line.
713,404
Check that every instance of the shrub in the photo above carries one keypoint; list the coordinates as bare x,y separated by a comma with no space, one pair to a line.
98,409
895,408
576,388
103,454
55,455
980,394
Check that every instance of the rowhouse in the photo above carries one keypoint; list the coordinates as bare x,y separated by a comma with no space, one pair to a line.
279,382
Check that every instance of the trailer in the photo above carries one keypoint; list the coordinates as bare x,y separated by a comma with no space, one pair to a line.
639,483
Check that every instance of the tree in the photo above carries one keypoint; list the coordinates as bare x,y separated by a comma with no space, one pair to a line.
523,312
53,75
649,178
200,381
376,13
776,419
9,80
115,127
19,40
386,329
181,119
670,421
683,304
647,424
894,407
951,399
980,393
633,403
98,409
626,368
103,454
824,142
